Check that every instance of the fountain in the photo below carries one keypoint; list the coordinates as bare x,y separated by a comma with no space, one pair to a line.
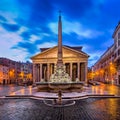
60,81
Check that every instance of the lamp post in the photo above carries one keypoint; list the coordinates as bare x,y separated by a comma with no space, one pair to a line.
11,75
1,77
112,72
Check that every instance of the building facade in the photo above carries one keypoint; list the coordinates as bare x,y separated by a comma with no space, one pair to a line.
17,71
26,72
74,59
4,74
107,68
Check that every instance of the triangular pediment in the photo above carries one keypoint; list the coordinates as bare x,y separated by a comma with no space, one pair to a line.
67,53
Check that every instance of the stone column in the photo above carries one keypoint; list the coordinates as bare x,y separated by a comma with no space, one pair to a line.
37,72
86,71
53,67
40,72
45,72
34,73
71,70
67,65
78,70
82,71
48,71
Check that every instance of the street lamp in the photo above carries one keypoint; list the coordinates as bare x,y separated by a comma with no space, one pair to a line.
11,75
112,71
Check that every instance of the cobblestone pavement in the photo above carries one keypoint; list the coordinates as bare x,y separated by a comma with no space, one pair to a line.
87,109
8,89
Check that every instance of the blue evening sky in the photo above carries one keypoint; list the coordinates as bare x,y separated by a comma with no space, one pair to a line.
27,25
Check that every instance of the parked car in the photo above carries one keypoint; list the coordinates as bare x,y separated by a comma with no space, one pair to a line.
92,82
28,83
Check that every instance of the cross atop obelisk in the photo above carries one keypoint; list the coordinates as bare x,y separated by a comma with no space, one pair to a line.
59,59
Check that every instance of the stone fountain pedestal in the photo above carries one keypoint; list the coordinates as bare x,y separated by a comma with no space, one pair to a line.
60,80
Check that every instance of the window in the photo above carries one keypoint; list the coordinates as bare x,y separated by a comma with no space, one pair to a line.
119,52
119,35
119,42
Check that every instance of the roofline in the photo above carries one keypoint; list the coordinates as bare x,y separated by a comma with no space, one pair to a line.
116,29
77,51
62,46
103,54
42,52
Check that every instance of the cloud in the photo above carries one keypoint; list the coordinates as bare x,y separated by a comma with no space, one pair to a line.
37,11
11,27
108,43
26,35
25,46
47,44
94,57
2,19
9,39
19,55
94,54
77,28
33,38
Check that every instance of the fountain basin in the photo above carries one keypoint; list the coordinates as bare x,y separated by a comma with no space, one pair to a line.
61,86
64,103
49,86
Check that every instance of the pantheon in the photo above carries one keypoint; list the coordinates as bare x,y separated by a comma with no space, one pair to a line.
73,57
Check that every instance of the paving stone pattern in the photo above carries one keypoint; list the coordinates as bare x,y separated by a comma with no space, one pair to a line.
87,109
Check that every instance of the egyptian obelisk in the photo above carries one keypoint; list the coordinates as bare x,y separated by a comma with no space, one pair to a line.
59,55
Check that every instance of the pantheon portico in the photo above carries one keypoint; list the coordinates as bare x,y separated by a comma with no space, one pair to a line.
74,59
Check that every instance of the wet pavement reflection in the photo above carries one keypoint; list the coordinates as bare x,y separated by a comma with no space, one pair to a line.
87,109
15,90
111,89
29,90
8,89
